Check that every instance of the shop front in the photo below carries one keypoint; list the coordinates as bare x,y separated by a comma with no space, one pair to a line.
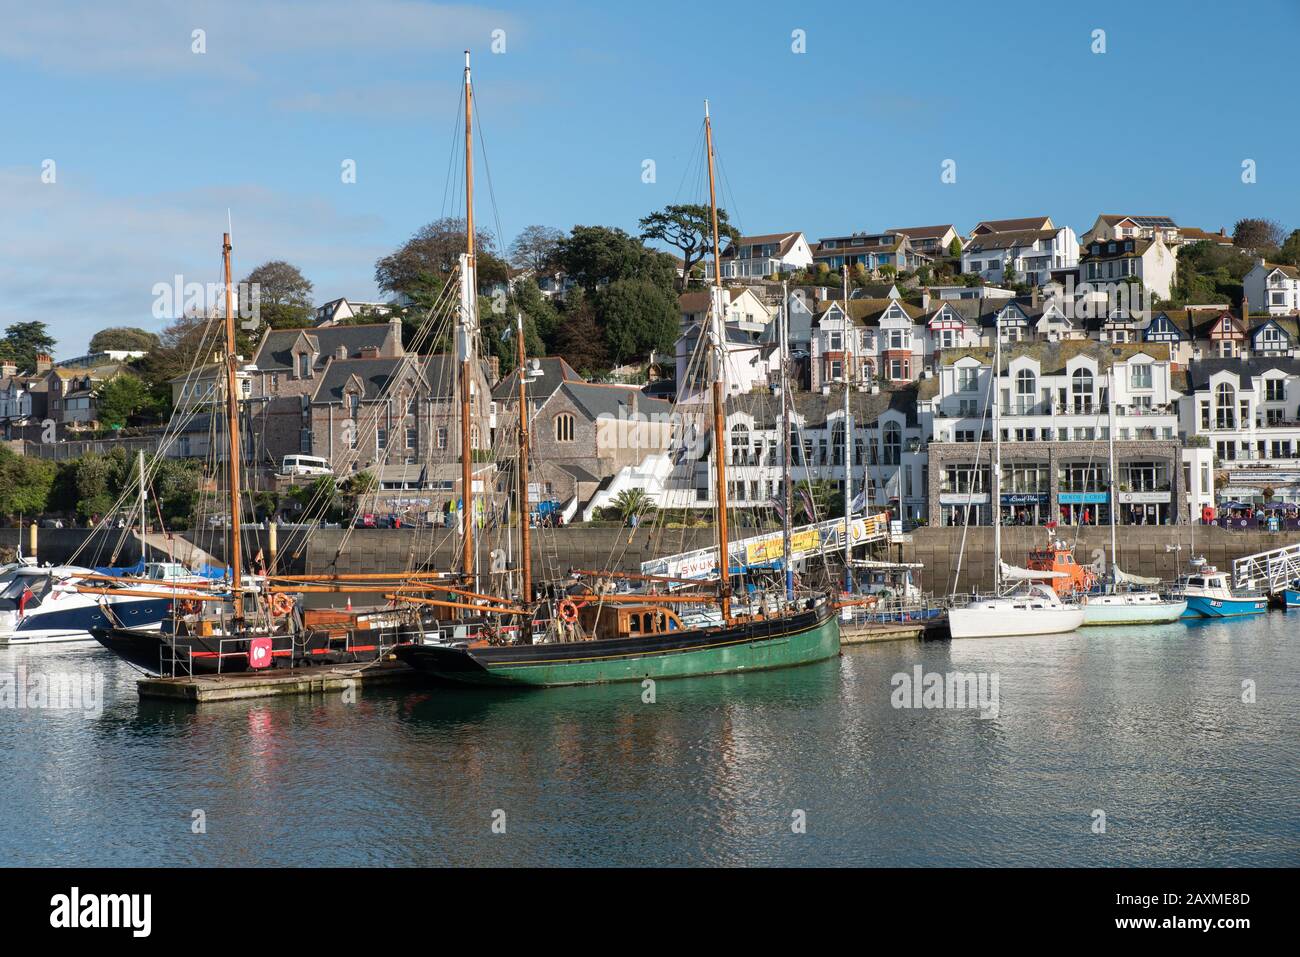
1083,508
1145,508
965,508
1025,508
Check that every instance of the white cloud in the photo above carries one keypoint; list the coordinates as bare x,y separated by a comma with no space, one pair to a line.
80,261
243,37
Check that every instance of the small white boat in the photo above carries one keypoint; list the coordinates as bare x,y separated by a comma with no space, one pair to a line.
1031,610
1132,608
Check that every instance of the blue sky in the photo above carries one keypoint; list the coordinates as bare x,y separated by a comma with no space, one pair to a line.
153,143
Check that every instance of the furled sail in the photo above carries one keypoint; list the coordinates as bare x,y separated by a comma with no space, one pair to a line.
1012,573
1123,576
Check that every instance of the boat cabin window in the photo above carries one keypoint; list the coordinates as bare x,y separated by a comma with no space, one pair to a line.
1196,581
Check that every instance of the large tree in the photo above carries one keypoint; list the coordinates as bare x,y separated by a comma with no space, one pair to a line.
426,259
535,247
637,316
1258,234
595,255
24,341
580,339
689,228
122,397
25,484
127,338
283,292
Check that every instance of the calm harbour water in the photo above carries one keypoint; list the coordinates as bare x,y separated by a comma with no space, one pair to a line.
1147,725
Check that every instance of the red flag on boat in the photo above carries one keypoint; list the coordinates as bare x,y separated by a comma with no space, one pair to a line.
23,600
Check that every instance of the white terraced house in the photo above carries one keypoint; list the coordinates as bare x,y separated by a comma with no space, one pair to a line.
761,257
1246,410
1107,263
888,449
1273,288
1031,253
1058,402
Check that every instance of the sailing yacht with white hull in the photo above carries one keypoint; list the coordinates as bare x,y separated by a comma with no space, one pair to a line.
1128,599
1027,607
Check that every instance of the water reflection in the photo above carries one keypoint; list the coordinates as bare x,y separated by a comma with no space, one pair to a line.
1146,724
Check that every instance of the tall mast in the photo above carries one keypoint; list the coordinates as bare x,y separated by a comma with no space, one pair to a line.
996,499
848,438
465,345
139,468
718,371
785,441
525,556
232,435
1114,554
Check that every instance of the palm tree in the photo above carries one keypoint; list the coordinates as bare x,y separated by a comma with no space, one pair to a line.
633,501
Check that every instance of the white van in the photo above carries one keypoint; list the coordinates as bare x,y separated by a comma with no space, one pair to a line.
305,465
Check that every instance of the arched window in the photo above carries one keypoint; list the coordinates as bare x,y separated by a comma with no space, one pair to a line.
1081,390
1225,401
739,444
564,427
1026,386
892,443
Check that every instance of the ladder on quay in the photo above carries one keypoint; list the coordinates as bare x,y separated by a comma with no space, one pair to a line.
1277,568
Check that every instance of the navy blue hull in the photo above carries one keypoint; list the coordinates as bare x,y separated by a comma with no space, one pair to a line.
142,613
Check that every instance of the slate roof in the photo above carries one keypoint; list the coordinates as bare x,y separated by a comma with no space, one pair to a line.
554,371
596,400
274,355
785,241
813,407
1201,371
1013,225
867,312
375,375
1008,239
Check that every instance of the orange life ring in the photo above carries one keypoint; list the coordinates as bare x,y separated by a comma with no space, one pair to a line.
568,611
281,605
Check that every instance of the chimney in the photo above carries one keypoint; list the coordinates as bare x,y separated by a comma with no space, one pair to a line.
495,365
341,352
369,352
1034,297
44,363
925,298
1245,308
8,368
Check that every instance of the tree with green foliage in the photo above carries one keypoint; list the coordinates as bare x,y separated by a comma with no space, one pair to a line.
1288,253
424,261
125,338
283,294
25,484
595,255
121,398
688,227
632,501
319,500
637,316
24,341
955,248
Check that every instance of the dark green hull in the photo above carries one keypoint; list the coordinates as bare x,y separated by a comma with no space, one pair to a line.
752,646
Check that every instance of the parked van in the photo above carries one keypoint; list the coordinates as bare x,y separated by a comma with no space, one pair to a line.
305,465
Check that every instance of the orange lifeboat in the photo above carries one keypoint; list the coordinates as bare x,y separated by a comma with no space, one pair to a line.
1059,557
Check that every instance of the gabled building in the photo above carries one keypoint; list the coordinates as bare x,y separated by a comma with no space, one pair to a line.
885,338
1031,253
762,257
1111,226
1273,288
1247,411
1108,263
932,241
339,311
872,251
1025,223
1057,404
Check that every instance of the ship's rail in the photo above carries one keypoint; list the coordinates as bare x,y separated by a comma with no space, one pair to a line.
1276,568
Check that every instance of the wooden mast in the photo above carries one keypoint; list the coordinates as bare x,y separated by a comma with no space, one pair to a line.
525,555
719,409
466,345
232,435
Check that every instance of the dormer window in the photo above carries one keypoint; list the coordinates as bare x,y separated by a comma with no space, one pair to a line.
304,365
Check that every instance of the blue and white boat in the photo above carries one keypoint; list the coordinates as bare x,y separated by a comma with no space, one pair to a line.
1209,595
41,604
1291,595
